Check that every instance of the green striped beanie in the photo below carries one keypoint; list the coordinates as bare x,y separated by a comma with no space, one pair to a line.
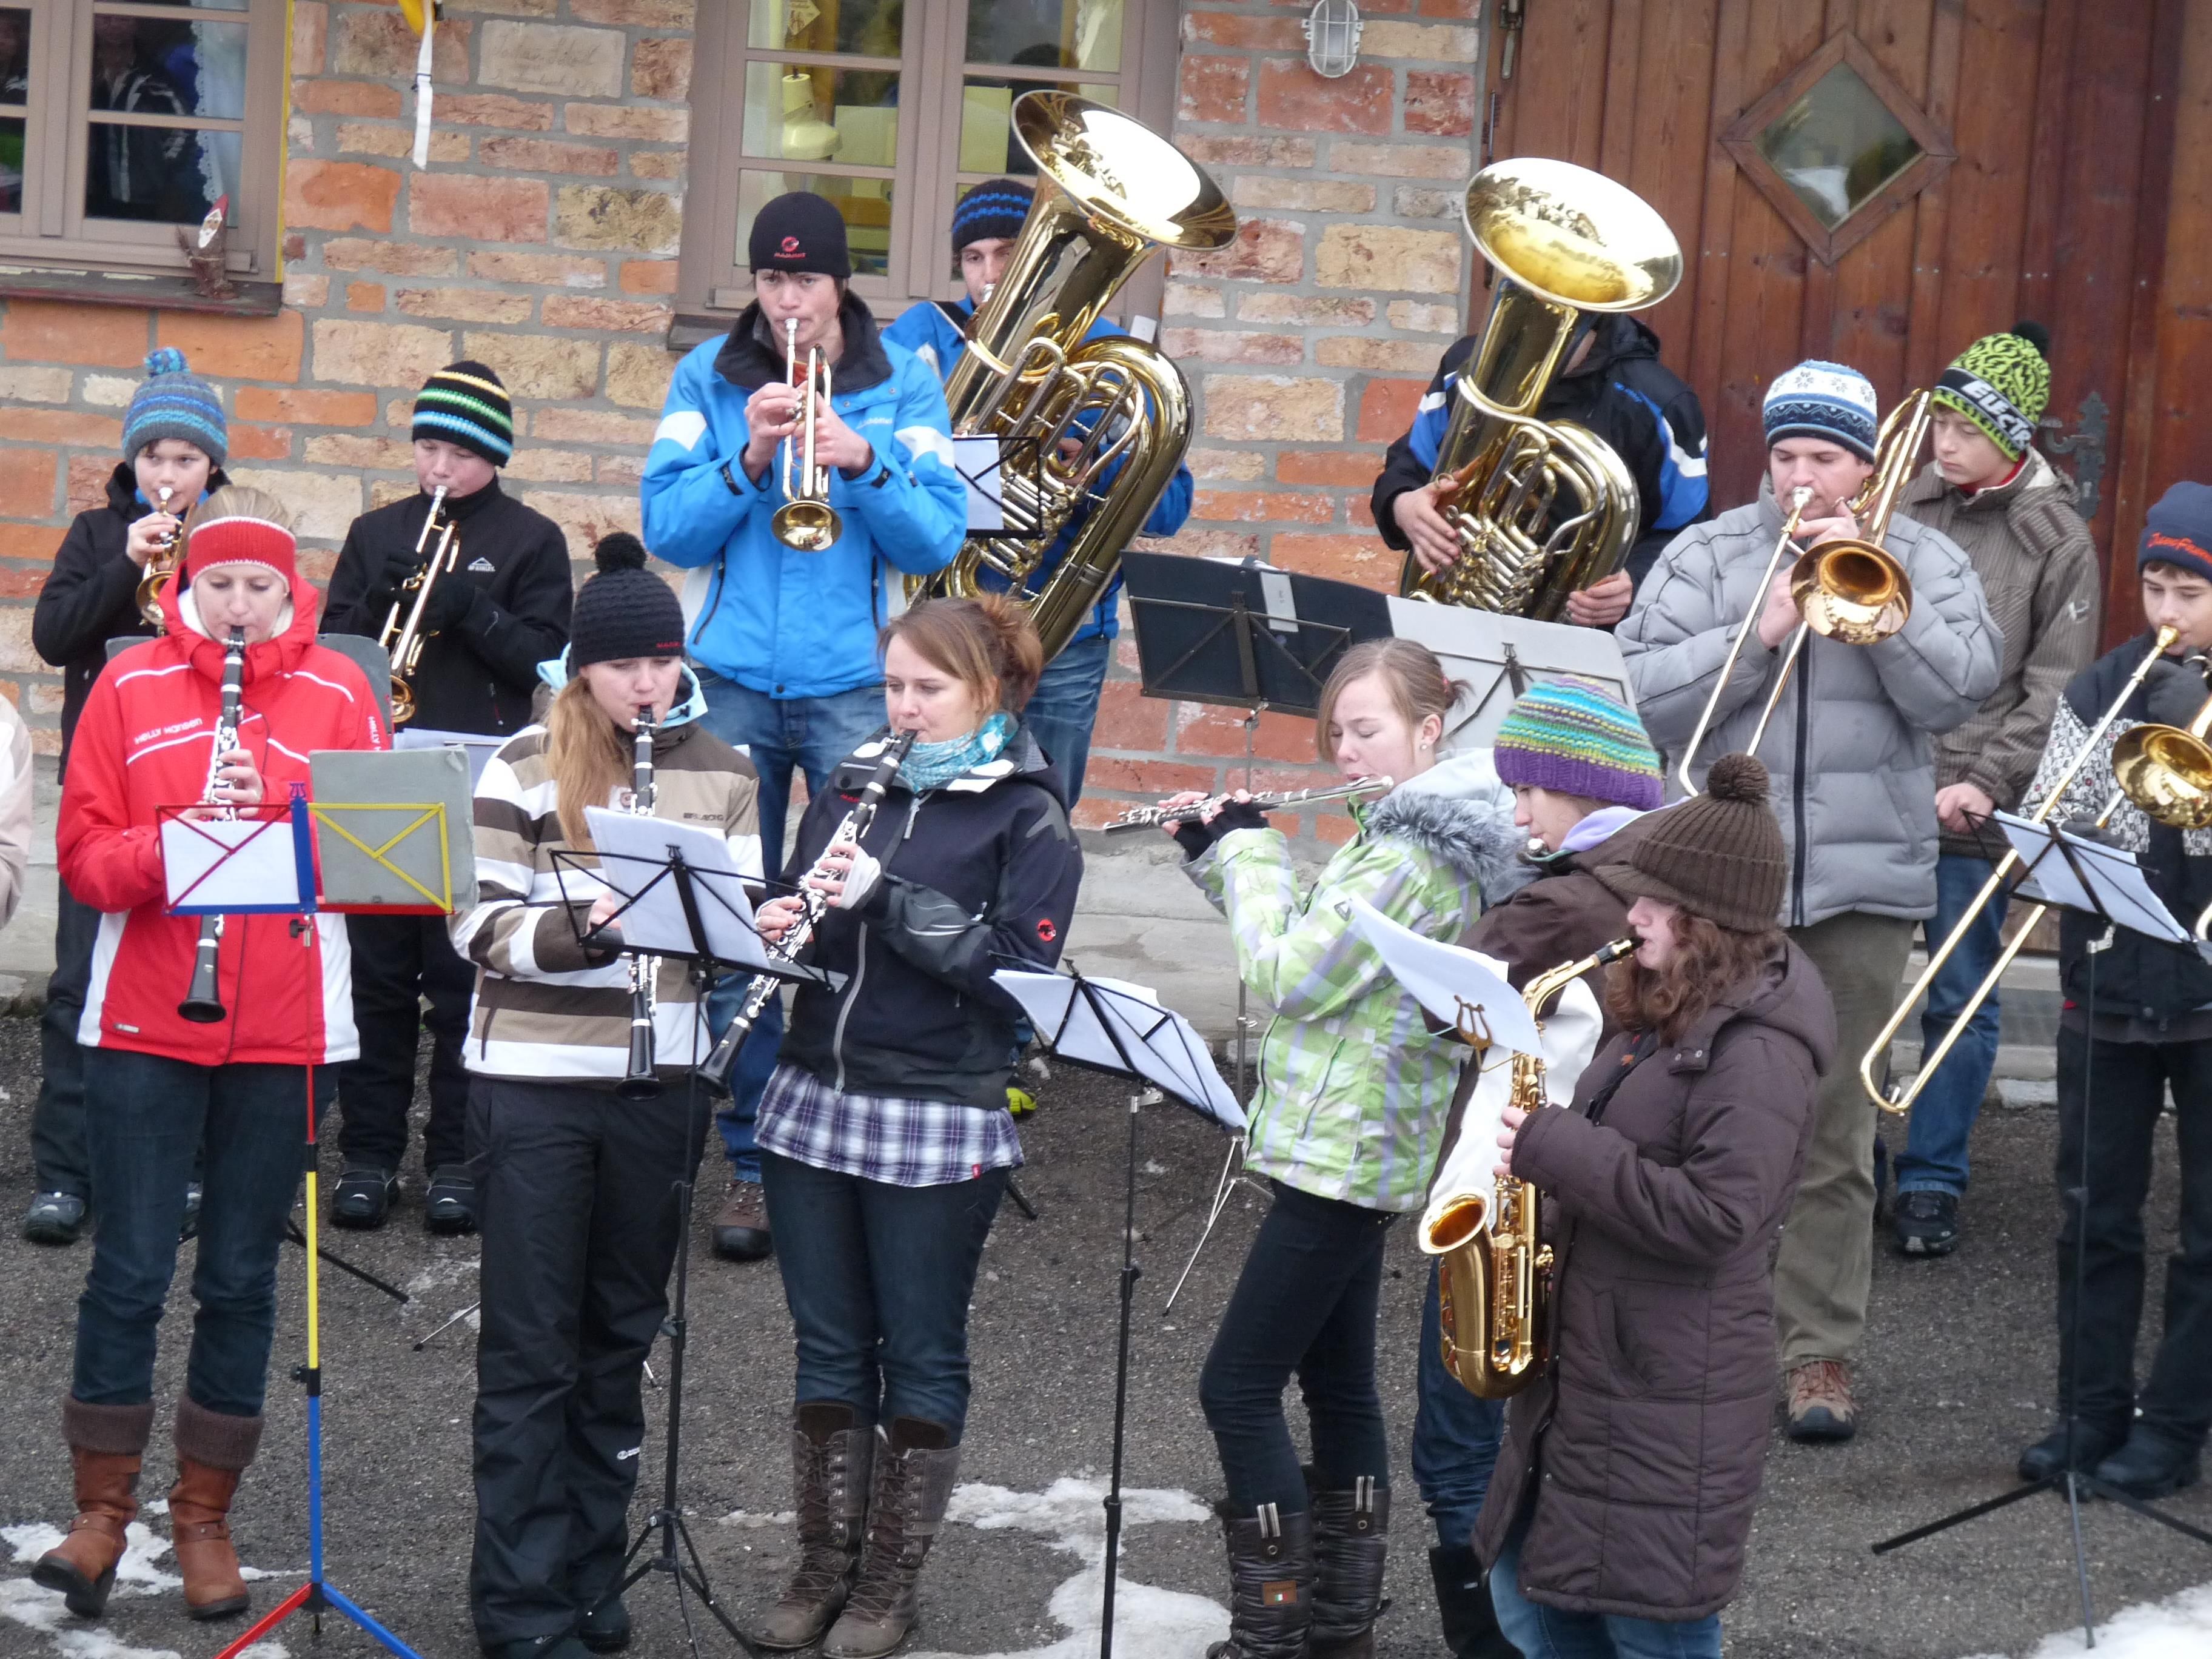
172,402
1572,736
2001,383
466,403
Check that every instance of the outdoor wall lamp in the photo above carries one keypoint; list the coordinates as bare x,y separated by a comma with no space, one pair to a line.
1333,38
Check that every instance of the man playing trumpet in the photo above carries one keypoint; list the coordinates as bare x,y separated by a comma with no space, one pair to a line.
1850,749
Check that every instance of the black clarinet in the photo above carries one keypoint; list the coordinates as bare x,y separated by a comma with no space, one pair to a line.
203,1003
640,1082
716,1070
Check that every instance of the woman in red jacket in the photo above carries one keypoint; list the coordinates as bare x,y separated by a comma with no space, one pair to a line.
160,1084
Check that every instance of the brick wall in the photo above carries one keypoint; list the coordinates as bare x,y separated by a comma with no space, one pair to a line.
542,240
1309,340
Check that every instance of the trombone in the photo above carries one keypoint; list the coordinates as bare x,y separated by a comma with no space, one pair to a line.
805,522
402,641
2166,770
1800,499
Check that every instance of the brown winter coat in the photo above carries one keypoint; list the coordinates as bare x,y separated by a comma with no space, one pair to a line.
1650,1424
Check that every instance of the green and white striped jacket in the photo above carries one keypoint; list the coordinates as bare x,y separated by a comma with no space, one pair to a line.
1354,1087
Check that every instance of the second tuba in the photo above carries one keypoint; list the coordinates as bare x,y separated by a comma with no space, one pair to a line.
1098,424
1563,240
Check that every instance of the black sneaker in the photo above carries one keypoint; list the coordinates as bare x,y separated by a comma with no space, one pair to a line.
54,1218
607,1627
364,1196
450,1204
2151,1464
1925,1223
2091,1444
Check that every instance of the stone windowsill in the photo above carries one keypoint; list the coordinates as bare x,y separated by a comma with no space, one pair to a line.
109,288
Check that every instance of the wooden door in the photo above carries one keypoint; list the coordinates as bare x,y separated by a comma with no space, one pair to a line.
2078,191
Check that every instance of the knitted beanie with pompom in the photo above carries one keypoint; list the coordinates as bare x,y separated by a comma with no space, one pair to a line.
1717,855
625,611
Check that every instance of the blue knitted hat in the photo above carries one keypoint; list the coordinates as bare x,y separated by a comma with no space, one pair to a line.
1572,736
466,404
172,402
995,209
1823,400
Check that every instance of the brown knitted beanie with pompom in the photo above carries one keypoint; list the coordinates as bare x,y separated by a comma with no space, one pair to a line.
1717,855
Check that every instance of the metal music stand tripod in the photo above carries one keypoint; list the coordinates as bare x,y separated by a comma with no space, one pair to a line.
2075,1484
1246,636
1102,1028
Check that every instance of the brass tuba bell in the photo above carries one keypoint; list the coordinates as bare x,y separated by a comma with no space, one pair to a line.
1563,240
1102,424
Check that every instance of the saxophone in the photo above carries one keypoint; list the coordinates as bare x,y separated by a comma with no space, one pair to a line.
1495,1285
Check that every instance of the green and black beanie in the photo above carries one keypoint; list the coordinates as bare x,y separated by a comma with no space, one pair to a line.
466,403
2001,383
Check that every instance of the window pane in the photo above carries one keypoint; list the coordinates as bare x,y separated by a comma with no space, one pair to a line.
14,54
11,164
986,128
865,204
152,66
1837,145
171,175
870,28
1048,33
809,113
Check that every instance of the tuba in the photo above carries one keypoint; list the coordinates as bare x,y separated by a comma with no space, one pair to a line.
1494,1284
1107,420
1564,240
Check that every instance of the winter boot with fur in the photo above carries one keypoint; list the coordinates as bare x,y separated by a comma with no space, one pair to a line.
213,1450
107,1447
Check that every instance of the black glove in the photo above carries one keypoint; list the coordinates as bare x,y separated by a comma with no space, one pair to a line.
1237,815
451,600
2175,691
2086,827
1193,838
385,580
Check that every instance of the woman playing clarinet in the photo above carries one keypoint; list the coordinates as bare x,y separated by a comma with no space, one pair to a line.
1354,1091
885,1142
575,1162
222,709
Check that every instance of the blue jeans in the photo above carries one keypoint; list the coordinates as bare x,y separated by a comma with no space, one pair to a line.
778,733
878,1279
148,1117
1935,1156
1543,1632
1065,706
1455,1437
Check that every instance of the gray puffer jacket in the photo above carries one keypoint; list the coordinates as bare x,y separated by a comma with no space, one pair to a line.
1850,749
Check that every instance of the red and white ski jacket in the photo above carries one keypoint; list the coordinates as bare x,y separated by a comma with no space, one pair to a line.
144,741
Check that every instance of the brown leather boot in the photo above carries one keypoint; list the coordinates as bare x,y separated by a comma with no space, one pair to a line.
830,1458
107,1446
915,1463
213,1450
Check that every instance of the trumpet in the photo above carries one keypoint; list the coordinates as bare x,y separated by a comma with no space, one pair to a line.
203,1003
641,1082
1166,817
161,568
2164,770
715,1071
403,641
806,521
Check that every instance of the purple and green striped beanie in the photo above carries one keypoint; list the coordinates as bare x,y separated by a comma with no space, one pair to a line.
172,402
1570,736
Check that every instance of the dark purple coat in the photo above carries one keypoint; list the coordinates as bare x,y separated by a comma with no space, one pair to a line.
1642,1444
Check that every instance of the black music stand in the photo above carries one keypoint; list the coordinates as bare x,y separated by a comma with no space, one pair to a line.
2074,1483
699,900
1104,1029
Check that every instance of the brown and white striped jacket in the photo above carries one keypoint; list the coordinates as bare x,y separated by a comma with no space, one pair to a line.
544,1008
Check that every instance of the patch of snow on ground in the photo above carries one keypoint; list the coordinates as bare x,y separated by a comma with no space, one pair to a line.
25,1603
745,1519
1156,1623
2179,1627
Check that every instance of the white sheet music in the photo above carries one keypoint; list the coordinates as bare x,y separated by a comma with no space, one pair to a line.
1449,981
1158,1041
478,748
229,864
2092,877
634,850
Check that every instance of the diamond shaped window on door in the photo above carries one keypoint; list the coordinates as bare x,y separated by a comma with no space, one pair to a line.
1837,146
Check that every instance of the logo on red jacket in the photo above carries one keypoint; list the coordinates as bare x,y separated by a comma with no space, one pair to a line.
1046,930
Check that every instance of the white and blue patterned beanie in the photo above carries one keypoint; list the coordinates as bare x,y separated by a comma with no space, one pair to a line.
172,402
1823,400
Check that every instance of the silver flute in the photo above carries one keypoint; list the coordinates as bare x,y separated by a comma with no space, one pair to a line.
1163,817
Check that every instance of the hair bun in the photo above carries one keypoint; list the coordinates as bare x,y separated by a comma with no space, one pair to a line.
2035,334
1737,777
165,360
619,551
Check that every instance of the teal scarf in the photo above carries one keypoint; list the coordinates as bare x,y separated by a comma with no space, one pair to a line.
932,765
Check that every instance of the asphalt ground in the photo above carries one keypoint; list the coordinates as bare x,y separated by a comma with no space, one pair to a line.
1955,1379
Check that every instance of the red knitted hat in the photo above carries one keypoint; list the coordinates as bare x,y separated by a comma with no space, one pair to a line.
236,539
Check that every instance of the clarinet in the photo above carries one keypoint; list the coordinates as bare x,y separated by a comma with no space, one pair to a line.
640,1082
203,1003
716,1069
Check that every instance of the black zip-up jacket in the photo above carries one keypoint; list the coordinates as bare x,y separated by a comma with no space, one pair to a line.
1627,397
480,675
2137,977
978,875
92,595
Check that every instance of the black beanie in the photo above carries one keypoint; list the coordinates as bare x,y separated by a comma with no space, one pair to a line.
466,404
801,231
625,611
994,210
2178,531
